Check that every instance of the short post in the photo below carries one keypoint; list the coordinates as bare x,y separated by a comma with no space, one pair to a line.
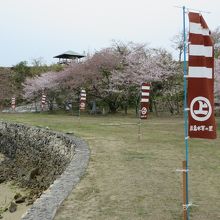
139,129
184,191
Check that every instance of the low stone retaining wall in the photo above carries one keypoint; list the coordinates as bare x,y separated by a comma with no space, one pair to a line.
41,156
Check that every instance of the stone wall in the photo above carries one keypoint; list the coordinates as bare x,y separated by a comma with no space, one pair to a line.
37,155
50,162
32,107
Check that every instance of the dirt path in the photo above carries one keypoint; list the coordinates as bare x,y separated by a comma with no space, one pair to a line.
7,193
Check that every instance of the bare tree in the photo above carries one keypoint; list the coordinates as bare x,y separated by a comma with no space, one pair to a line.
178,44
216,39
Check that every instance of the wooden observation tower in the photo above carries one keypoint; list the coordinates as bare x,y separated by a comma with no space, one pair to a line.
68,57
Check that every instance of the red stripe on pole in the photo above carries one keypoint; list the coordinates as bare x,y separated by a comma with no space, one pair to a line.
199,39
200,80
201,61
197,18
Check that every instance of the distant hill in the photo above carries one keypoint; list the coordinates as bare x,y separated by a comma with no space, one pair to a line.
6,87
11,79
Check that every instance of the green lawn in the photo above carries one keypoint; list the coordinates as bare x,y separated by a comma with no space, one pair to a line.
131,179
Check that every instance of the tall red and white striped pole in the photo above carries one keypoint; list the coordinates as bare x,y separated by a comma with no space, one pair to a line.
43,101
82,105
199,118
145,93
13,103
82,101
144,105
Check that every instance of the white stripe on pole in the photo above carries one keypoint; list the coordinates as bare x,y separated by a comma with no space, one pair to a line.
200,72
145,87
196,28
145,93
144,100
43,99
82,98
83,94
200,50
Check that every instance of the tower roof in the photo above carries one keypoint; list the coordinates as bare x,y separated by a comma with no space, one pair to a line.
69,55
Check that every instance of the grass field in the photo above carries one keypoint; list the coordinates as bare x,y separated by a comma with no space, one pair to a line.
131,179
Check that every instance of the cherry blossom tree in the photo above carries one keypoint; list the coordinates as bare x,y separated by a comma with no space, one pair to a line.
113,76
94,74
142,64
47,83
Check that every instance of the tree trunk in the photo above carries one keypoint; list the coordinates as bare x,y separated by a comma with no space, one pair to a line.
126,107
137,106
35,105
155,107
177,107
170,107
112,107
50,103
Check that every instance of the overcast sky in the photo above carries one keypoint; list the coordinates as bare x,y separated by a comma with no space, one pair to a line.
45,28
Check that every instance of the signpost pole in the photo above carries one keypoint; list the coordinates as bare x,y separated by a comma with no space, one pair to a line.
139,126
185,117
139,115
79,114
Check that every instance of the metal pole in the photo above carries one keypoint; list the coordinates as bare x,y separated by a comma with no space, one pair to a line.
139,114
79,105
186,111
79,111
